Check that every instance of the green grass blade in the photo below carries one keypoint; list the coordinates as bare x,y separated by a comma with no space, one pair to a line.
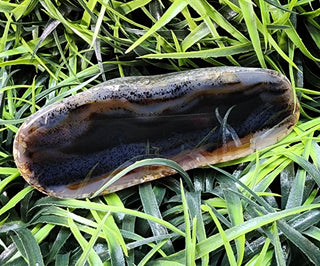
250,19
194,205
146,162
214,242
93,256
220,20
189,250
222,233
101,207
151,253
297,190
150,206
235,212
296,39
58,243
16,199
215,52
303,243
85,255
277,246
63,259
175,8
28,246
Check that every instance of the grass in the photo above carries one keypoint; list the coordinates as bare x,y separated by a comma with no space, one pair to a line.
260,210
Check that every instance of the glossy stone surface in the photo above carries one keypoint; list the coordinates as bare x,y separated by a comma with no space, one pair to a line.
199,117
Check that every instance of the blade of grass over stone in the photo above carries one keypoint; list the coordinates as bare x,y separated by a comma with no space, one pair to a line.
175,8
250,19
146,162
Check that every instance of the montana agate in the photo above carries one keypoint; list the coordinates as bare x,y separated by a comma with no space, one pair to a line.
205,116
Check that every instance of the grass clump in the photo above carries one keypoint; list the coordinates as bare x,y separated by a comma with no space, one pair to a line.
258,210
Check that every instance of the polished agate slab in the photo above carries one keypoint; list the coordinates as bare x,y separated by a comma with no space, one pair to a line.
199,117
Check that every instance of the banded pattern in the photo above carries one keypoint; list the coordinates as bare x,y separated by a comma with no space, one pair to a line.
198,117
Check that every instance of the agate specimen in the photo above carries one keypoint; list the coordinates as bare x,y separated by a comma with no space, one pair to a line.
71,148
